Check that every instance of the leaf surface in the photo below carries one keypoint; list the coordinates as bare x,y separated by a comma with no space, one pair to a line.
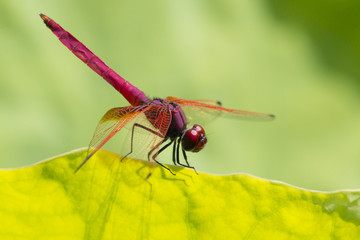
109,199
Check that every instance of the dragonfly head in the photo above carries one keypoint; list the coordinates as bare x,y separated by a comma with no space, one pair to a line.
194,139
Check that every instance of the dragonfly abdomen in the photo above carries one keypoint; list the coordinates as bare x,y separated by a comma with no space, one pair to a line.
132,94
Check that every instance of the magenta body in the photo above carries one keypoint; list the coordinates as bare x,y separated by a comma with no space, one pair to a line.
132,94
166,115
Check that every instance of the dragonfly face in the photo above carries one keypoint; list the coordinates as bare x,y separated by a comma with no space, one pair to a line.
194,139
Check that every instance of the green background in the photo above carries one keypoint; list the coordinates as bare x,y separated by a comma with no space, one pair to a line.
297,60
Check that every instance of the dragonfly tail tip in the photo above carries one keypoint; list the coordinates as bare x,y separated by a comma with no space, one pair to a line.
44,17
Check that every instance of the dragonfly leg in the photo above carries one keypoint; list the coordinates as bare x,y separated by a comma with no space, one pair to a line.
174,155
164,147
157,153
184,154
185,157
177,152
132,137
150,152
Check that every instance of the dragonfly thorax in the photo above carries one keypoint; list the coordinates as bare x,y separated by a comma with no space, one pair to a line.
178,122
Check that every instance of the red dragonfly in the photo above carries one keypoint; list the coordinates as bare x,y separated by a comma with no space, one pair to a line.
164,119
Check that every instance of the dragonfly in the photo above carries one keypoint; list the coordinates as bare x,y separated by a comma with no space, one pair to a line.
164,120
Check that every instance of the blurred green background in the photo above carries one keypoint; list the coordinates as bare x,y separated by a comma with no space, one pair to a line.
298,60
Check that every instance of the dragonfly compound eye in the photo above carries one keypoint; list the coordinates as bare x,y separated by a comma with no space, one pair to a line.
194,139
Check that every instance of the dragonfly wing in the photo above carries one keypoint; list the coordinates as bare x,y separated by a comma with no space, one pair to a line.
112,122
202,101
207,101
150,131
204,111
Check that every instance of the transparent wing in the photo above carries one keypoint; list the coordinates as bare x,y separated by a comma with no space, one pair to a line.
148,131
205,111
160,118
206,101
153,121
112,122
